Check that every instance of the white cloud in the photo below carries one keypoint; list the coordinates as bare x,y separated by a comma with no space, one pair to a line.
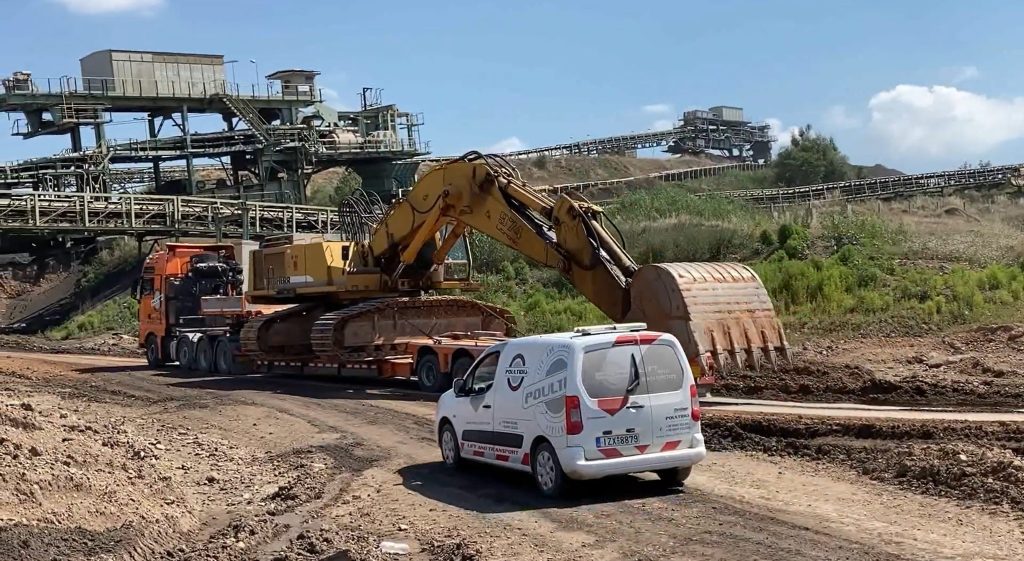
785,133
657,108
329,94
510,144
944,121
662,124
959,74
111,6
837,117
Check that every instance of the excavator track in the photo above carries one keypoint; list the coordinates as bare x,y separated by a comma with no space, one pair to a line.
258,343
378,322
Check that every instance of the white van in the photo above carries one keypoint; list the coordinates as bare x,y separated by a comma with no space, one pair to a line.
601,400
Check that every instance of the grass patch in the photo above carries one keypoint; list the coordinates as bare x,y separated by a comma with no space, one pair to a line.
542,301
121,255
120,314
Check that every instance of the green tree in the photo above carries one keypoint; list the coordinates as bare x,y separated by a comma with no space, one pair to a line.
332,194
810,158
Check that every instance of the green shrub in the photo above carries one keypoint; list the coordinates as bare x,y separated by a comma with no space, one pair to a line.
116,315
120,256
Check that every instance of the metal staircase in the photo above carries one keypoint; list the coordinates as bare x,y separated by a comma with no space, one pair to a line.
250,116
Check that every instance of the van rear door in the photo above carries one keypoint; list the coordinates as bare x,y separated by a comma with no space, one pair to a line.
668,386
615,407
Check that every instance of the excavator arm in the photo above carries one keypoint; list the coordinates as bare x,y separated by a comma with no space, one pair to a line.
717,310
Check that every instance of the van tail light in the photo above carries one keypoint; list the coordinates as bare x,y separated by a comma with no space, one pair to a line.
694,404
573,415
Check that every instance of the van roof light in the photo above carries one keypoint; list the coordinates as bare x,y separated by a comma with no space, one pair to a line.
609,328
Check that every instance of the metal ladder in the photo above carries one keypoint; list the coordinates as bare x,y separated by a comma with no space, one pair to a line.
248,114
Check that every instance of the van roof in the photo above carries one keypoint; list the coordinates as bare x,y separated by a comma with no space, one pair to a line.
583,338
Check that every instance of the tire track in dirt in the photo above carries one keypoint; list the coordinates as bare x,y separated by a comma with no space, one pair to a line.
383,480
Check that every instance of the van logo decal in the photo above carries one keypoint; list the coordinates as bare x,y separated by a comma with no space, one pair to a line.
546,396
516,372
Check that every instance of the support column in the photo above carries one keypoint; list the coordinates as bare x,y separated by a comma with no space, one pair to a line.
189,168
156,162
76,146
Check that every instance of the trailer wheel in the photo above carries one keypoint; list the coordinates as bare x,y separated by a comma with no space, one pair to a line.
153,357
204,355
461,366
186,353
429,375
224,357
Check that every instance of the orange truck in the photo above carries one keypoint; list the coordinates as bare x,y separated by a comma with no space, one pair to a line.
193,312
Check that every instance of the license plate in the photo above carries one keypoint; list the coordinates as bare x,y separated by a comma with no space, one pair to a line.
618,440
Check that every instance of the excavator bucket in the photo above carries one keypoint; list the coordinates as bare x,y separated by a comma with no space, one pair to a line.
720,312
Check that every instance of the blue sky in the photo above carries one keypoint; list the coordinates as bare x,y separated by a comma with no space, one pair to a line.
915,85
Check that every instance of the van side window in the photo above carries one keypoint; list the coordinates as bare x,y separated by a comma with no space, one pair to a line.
481,378
664,371
609,372
147,286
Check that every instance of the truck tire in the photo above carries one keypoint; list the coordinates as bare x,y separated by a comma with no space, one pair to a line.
429,375
153,357
224,357
547,471
186,353
461,366
204,355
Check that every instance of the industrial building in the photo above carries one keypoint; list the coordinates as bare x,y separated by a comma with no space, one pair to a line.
722,130
276,134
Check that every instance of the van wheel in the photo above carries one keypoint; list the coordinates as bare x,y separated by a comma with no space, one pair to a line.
449,443
186,353
547,471
429,375
461,366
204,356
674,477
153,357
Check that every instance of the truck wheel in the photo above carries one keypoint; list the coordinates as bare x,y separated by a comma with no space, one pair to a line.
547,471
674,477
461,366
153,357
204,355
186,353
224,357
449,443
429,375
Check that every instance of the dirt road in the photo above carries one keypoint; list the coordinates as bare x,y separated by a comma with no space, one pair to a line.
103,458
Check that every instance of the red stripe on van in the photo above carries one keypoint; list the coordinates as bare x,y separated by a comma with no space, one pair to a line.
526,459
625,340
671,445
501,457
647,338
478,453
610,452
612,405
642,448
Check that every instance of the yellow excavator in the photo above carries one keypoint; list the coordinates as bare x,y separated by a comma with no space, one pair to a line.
363,294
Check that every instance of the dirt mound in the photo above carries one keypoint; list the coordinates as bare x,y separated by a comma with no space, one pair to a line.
111,344
977,463
978,368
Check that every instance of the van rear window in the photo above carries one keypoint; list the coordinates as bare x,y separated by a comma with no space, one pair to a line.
664,371
606,371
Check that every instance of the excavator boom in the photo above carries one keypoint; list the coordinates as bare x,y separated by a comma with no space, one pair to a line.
720,312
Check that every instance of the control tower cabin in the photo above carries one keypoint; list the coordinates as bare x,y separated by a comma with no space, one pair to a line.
276,133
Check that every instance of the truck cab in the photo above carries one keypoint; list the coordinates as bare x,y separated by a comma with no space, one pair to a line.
190,299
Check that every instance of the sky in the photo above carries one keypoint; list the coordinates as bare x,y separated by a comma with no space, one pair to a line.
915,85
